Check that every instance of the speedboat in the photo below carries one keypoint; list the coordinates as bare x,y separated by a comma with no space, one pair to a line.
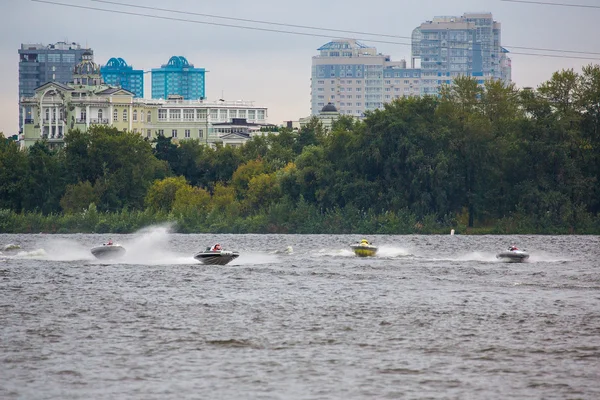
11,247
216,257
108,251
364,249
513,255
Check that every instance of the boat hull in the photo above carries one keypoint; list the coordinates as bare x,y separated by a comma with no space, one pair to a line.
364,250
107,252
513,256
221,257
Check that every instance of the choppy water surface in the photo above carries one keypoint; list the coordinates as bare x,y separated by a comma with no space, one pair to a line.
299,317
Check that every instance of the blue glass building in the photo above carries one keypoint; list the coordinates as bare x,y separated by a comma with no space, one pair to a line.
178,77
117,73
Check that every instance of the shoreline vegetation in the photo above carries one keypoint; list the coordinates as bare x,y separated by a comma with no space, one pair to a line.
479,159
304,220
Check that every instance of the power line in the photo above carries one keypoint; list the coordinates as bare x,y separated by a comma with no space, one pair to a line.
254,21
206,22
313,27
120,12
544,3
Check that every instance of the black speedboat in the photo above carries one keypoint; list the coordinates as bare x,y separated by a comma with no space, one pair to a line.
108,251
216,257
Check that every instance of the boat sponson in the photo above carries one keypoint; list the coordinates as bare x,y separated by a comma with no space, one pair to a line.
216,257
108,251
513,256
364,250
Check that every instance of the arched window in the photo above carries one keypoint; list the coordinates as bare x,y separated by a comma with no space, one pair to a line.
100,115
134,115
115,115
125,115
149,115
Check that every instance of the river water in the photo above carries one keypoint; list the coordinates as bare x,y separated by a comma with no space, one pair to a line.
299,317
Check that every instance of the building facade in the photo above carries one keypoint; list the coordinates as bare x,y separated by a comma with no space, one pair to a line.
116,72
355,78
40,63
56,108
178,77
470,45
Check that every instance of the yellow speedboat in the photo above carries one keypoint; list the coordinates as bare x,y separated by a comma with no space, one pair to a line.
364,248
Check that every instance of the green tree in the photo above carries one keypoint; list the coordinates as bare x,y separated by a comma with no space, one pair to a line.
13,167
78,197
161,195
44,182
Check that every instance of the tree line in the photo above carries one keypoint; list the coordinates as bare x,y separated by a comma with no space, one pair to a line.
478,158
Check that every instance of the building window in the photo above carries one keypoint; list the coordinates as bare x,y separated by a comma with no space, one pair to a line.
100,115
201,114
214,114
187,133
149,133
251,114
260,114
83,115
188,115
47,114
161,132
200,133
174,133
134,115
174,114
125,115
162,114
115,115
149,116
142,116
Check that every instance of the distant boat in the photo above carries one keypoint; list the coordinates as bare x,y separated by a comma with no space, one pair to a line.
216,257
513,254
364,249
11,247
108,251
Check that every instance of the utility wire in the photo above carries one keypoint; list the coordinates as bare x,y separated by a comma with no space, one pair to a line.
276,30
254,21
544,3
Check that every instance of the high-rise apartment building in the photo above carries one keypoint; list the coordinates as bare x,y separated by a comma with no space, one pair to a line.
447,47
116,72
178,77
355,78
40,63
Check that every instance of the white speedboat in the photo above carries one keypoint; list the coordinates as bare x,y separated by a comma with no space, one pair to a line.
11,247
108,251
216,257
513,254
364,249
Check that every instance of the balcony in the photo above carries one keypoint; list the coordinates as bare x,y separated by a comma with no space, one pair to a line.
99,121
29,120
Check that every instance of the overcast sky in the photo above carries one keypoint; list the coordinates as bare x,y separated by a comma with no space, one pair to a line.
273,69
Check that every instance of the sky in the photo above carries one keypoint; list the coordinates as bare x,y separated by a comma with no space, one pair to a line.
273,69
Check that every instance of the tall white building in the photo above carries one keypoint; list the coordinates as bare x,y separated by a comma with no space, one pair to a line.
355,78
447,47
